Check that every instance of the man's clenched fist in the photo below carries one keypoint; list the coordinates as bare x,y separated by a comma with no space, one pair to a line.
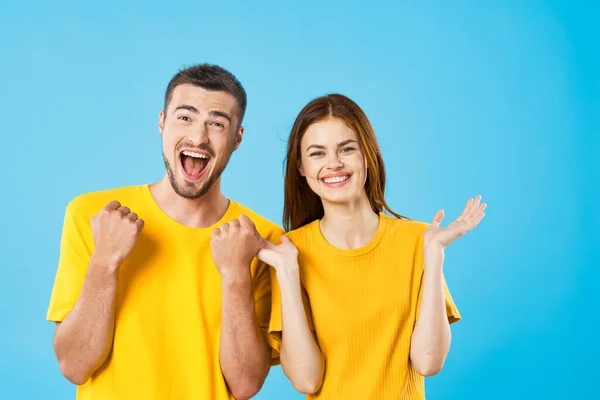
234,245
115,229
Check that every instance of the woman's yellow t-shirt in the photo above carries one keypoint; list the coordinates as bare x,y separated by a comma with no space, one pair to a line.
363,305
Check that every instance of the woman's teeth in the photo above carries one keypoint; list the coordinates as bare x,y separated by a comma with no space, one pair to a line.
336,179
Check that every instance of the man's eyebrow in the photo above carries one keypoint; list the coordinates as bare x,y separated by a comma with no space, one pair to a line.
213,113
187,107
220,114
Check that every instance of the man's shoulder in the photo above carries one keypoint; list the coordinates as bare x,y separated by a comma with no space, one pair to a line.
89,203
265,226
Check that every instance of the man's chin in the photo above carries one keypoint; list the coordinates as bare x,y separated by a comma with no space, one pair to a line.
190,190
194,189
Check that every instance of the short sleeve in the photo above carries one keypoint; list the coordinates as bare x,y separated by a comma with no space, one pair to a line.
263,294
451,309
276,324
75,253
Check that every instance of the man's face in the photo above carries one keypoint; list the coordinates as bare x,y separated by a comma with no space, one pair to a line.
199,132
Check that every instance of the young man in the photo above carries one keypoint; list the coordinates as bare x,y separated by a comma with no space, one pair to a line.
158,293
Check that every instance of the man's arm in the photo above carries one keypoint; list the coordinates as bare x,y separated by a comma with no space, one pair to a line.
83,339
244,355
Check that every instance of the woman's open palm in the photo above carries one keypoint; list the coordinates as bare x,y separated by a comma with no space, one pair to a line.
469,219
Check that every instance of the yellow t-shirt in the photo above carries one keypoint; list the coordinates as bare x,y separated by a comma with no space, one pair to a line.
362,304
168,304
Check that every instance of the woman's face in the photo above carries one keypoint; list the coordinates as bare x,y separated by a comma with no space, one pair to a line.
332,161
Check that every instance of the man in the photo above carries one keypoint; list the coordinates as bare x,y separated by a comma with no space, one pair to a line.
158,293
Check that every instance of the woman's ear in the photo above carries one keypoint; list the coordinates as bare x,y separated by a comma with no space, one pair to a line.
301,170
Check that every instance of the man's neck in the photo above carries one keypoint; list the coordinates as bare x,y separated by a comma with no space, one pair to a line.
195,213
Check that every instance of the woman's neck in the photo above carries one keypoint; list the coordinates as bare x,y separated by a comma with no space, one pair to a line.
349,225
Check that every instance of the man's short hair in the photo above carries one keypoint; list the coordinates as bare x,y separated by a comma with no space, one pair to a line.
212,78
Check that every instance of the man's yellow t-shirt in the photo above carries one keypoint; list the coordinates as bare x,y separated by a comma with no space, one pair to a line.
168,302
363,304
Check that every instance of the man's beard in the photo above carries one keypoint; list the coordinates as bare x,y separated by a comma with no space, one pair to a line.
190,190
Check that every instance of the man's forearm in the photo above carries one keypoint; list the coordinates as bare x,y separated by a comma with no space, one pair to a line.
84,338
244,355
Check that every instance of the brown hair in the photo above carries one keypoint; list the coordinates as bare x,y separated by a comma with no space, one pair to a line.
301,205
212,78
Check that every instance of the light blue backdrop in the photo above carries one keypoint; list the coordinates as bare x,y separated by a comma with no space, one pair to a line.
466,98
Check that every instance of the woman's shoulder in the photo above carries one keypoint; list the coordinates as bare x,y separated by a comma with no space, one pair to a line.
305,232
405,226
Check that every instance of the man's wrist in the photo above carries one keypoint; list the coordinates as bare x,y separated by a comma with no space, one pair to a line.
104,263
235,276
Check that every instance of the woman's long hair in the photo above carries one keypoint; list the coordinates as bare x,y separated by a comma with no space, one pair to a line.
301,205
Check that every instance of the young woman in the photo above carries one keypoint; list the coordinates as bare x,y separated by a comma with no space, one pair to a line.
360,305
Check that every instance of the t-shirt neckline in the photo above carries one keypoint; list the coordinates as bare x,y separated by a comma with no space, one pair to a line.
163,216
357,251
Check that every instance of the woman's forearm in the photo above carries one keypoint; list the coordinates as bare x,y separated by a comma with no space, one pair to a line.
301,358
430,341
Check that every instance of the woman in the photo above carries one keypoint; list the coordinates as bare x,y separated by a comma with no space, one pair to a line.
360,305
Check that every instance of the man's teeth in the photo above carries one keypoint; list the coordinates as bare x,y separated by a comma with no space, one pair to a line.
336,179
195,155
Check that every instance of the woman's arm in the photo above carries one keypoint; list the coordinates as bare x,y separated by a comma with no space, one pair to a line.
430,341
301,359
431,336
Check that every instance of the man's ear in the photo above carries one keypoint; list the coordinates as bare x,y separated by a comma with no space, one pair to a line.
238,137
161,121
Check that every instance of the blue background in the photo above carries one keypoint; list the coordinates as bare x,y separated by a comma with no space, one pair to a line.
466,98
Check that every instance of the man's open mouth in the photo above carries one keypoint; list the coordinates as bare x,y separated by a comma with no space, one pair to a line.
193,163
